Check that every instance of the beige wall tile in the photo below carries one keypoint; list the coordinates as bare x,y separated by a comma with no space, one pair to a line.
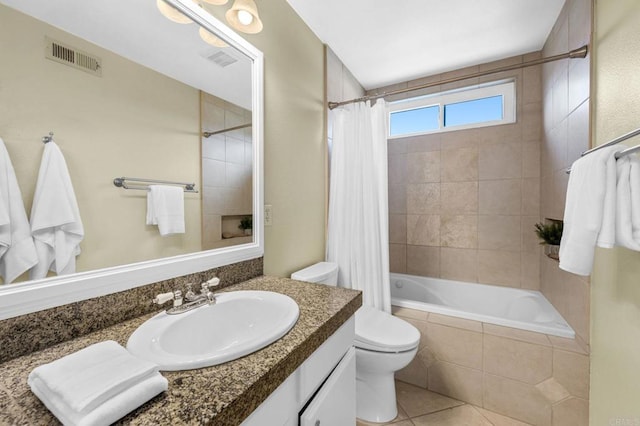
579,81
456,322
571,345
459,231
515,399
517,360
398,228
532,84
423,167
455,345
500,161
530,240
578,132
499,267
509,133
500,197
531,159
423,198
462,383
423,143
459,264
462,415
530,196
516,334
532,126
398,199
459,139
398,258
530,270
459,164
499,232
423,230
397,146
574,411
572,371
397,168
459,197
424,261
409,313
421,326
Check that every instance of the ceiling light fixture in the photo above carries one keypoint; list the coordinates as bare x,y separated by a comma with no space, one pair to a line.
171,13
243,16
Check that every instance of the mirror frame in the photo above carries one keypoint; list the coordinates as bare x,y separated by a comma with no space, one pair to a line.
32,296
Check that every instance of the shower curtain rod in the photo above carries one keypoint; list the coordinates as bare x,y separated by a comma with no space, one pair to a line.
242,126
576,53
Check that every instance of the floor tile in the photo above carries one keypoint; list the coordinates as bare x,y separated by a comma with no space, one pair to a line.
465,415
499,419
417,401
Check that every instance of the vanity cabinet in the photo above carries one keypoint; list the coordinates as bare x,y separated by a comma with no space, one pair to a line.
322,391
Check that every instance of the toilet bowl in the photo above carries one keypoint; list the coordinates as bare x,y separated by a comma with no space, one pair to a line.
384,344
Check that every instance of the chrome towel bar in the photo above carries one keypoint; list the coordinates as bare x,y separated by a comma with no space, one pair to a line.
143,184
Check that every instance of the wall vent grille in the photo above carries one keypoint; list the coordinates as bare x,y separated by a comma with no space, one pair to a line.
222,59
68,55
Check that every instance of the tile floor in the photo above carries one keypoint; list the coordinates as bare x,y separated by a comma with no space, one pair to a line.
420,407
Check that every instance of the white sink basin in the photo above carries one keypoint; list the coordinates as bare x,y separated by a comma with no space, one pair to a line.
239,323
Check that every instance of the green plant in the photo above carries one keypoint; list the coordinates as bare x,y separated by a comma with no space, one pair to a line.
550,233
246,223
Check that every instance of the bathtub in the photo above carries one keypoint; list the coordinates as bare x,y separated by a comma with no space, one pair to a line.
506,306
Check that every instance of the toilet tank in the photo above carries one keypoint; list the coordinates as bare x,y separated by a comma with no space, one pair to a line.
322,272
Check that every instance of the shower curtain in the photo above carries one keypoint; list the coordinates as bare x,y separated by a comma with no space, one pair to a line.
358,235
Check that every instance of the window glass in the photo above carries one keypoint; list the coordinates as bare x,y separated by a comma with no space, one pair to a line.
417,120
474,111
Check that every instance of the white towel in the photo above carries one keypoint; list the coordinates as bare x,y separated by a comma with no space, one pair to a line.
589,209
17,251
96,385
628,205
165,208
56,225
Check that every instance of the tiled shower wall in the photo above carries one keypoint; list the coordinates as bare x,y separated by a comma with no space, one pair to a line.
566,136
463,204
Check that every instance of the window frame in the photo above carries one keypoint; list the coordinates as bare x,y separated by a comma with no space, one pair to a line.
505,88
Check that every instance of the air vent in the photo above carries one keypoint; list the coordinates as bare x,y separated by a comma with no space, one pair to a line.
222,59
68,55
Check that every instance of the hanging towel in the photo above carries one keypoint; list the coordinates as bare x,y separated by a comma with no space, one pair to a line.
628,203
17,250
589,209
96,385
165,208
55,219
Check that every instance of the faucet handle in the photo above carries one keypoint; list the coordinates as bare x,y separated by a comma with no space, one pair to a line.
163,298
213,282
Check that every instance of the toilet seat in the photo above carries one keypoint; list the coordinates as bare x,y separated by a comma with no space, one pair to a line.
382,332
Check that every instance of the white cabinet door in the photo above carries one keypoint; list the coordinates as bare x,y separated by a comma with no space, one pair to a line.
335,403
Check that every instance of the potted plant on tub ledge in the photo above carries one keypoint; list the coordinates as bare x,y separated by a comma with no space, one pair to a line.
246,224
550,233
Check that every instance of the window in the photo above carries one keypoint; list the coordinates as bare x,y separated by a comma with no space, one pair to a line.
477,106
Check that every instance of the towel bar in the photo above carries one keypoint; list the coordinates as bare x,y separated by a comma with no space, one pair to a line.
615,141
143,184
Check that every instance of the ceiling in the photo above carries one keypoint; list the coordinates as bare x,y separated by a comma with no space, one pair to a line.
387,42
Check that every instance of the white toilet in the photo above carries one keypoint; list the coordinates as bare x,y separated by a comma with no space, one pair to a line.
384,344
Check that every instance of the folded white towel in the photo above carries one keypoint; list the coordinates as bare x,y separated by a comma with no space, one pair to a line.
165,208
591,185
55,219
626,214
17,250
110,411
97,382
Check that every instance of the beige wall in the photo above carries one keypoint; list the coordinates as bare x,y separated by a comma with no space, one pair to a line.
130,122
462,204
615,285
294,145
566,135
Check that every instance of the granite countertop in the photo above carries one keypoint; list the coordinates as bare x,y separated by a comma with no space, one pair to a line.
224,394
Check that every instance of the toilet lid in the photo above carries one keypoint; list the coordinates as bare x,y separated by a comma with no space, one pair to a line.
382,332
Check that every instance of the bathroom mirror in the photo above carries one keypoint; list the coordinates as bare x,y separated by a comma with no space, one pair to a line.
145,97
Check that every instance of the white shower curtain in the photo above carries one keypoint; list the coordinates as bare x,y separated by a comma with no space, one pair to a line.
358,236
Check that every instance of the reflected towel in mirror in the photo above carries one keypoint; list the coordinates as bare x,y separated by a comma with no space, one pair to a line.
165,208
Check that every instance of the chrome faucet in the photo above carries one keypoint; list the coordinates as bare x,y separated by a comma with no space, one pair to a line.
191,299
